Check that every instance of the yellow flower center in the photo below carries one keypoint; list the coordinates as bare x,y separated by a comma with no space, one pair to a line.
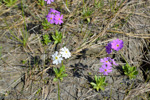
66,52
56,57
59,19
50,18
106,61
105,70
117,45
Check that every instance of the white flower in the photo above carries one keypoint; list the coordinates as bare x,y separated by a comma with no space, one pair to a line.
56,58
65,52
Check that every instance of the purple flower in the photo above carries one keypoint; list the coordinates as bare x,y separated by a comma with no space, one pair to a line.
54,11
105,61
49,1
108,61
108,48
117,44
50,18
114,63
105,69
54,17
58,19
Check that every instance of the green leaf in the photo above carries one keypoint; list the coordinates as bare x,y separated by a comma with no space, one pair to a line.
61,78
55,42
135,73
97,88
46,39
95,78
10,2
131,76
55,79
100,83
104,84
130,71
56,32
134,68
123,67
64,75
102,88
93,84
53,36
62,68
57,37
88,19
104,79
55,70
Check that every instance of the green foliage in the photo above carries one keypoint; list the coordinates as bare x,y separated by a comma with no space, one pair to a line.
57,37
99,4
38,91
22,40
23,61
112,4
131,72
67,3
41,2
100,83
46,24
59,73
9,2
86,13
24,35
0,2
114,7
46,39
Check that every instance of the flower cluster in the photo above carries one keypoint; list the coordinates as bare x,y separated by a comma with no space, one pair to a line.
58,57
54,16
115,44
107,62
107,65
49,1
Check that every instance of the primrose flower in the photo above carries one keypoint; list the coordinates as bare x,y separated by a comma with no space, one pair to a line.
117,44
65,52
54,11
50,18
106,61
58,19
105,69
56,58
108,48
49,1
114,63
54,17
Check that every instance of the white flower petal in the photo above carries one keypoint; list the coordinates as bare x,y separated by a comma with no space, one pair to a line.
65,52
58,60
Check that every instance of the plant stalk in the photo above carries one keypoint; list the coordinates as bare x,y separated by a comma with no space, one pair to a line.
58,90
123,57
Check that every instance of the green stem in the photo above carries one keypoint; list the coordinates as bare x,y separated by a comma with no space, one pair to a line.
67,3
62,63
83,2
58,91
24,35
123,57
